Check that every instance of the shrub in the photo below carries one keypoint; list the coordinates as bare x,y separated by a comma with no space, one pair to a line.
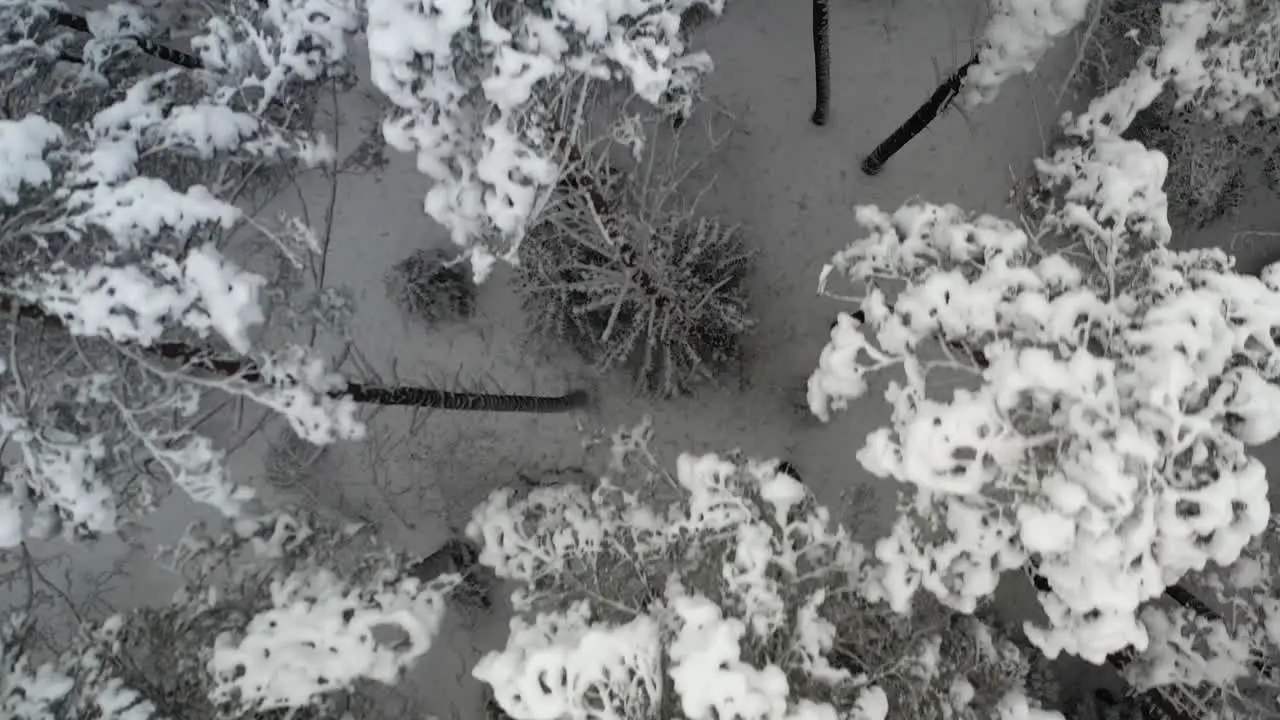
623,270
1207,159
429,286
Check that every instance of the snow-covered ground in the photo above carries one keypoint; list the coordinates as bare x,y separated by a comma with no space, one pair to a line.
792,186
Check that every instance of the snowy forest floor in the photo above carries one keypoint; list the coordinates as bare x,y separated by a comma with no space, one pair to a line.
792,186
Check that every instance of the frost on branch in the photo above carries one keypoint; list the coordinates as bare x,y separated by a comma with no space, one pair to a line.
80,682
721,591
470,80
1115,386
268,49
118,193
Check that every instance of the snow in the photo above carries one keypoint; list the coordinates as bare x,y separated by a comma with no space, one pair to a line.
562,666
1015,39
709,675
1016,706
872,704
229,296
137,303
23,144
797,163
779,546
320,637
27,694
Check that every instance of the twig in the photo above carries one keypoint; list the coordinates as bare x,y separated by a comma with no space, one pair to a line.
1098,7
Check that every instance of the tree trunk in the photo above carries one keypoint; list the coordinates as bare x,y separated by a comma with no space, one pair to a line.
177,57
821,62
918,121
401,395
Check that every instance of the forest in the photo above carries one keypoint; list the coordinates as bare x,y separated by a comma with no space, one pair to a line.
639,360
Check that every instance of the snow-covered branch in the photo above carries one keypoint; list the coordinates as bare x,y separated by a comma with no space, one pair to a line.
472,80
1015,39
285,611
727,593
119,188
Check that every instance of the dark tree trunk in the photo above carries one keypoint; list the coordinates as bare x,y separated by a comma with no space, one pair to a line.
918,121
177,57
821,62
401,395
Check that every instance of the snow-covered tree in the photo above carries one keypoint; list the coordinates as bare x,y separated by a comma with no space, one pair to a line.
282,612
722,590
1114,386
122,183
1221,109
1224,657
473,85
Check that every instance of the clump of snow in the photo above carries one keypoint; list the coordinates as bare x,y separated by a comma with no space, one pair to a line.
11,534
305,391
319,637
23,144
1016,706
708,673
137,269
28,693
563,665
139,303
286,42
1015,39
1192,648
62,472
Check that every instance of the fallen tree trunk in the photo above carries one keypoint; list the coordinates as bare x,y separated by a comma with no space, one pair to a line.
919,120
387,395
81,24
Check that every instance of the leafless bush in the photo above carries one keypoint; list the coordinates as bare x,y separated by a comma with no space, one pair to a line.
620,266
428,286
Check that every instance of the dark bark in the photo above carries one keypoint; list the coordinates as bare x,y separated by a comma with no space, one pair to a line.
918,121
177,57
401,395
821,62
